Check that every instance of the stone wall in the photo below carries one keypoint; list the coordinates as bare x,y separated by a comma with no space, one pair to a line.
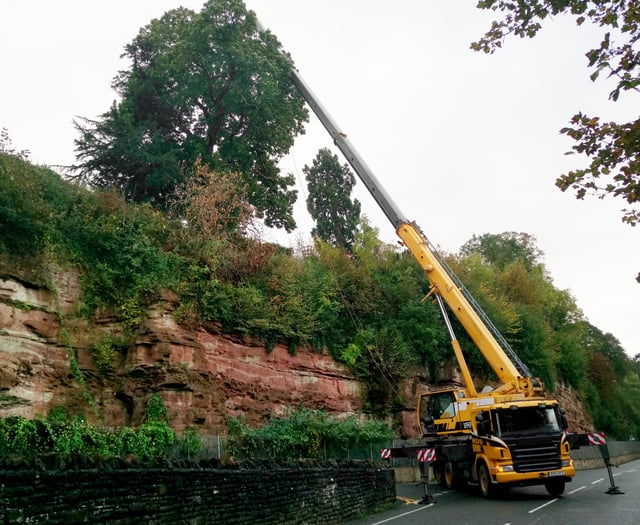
620,452
277,493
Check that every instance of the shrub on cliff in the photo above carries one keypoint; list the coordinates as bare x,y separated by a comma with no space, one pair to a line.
69,438
364,307
305,433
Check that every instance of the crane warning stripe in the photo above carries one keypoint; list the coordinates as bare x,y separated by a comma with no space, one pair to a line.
426,455
597,438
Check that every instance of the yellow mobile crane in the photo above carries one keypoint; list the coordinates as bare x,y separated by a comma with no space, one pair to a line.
510,436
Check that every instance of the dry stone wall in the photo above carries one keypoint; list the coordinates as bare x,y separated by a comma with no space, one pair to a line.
265,493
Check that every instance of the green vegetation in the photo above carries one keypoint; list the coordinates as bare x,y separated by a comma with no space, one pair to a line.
329,201
363,307
305,433
74,437
611,147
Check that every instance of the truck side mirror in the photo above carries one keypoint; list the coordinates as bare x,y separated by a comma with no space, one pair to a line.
483,425
564,422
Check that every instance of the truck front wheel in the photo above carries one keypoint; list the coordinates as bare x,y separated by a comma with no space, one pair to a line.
555,487
484,481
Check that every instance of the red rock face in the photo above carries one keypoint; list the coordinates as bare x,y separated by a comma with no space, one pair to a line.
202,375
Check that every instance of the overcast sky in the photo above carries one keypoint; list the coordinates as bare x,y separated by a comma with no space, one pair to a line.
464,143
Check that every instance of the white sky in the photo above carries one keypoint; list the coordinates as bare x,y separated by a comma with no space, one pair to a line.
464,143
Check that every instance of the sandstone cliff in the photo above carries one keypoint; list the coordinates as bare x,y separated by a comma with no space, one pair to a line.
202,375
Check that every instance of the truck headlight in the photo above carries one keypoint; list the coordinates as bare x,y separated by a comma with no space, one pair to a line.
567,462
505,468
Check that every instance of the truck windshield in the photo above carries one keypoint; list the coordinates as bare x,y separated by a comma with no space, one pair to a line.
526,420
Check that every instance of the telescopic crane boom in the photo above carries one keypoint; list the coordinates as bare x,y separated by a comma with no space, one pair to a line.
445,286
511,436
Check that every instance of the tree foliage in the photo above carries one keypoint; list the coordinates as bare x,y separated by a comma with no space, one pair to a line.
614,385
513,287
203,85
504,249
214,204
613,148
329,201
305,433
362,307
6,146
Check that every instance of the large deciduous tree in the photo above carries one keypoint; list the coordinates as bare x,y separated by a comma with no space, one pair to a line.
202,85
543,324
505,248
329,201
613,148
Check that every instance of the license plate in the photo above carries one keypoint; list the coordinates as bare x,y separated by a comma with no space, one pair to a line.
558,473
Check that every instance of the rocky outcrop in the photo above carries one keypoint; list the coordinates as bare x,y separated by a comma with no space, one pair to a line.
204,376
580,420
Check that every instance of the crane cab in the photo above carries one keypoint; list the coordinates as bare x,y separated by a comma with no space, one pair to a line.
443,412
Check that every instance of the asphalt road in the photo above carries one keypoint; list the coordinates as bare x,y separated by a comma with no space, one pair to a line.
585,502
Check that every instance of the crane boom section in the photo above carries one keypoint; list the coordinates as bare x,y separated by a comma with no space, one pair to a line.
357,163
439,278
442,284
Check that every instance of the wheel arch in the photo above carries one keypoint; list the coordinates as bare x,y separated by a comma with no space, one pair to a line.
479,460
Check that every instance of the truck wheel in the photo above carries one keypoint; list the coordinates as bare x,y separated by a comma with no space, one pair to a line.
447,476
484,482
438,473
555,487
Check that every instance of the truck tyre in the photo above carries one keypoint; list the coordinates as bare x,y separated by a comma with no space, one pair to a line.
484,482
438,473
555,487
448,481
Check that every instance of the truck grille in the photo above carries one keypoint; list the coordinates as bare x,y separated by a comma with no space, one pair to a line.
535,454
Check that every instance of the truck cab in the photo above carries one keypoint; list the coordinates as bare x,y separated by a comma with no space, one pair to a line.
520,444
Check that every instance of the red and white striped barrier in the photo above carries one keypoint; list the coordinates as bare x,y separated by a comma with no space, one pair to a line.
385,453
597,438
426,455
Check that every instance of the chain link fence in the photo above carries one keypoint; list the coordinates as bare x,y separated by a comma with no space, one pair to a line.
221,447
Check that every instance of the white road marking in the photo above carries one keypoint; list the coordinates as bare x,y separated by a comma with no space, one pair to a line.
578,489
405,514
543,506
597,481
